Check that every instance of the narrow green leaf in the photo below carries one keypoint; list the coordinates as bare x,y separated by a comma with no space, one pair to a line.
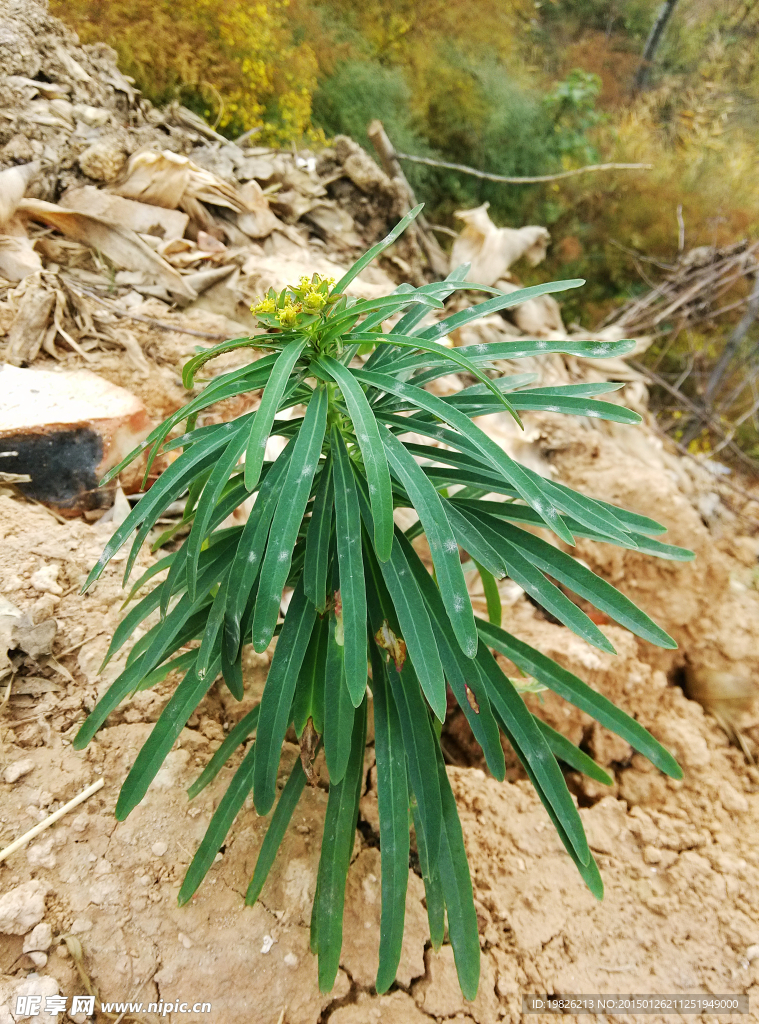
453,357
420,743
221,822
351,563
533,492
308,701
492,594
191,367
456,882
339,711
589,872
251,547
218,479
337,846
433,888
288,519
372,452
283,813
585,583
267,410
495,305
562,748
318,540
277,697
474,543
521,723
547,594
172,720
392,796
236,735
443,546
375,250
412,616
519,348
574,690
461,672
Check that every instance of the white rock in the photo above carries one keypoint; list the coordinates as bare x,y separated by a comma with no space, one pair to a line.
41,854
159,849
731,799
45,580
14,771
40,938
22,908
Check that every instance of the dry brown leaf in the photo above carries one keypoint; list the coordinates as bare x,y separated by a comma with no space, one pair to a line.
30,324
18,258
144,218
13,182
492,250
120,245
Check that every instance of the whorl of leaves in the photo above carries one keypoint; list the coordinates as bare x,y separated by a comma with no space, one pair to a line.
364,611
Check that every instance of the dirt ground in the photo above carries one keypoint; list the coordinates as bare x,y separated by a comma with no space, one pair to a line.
679,859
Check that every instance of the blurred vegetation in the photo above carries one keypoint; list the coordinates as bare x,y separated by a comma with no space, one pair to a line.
515,87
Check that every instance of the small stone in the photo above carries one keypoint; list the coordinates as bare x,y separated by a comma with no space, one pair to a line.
159,849
22,908
45,580
185,940
292,961
752,953
17,769
103,161
81,924
39,939
731,799
267,944
651,855
38,959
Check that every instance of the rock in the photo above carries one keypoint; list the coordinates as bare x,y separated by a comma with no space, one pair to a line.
103,161
22,908
45,580
67,429
731,799
35,985
18,631
159,849
17,769
40,938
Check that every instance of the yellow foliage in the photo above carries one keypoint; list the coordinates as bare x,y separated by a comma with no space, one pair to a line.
234,61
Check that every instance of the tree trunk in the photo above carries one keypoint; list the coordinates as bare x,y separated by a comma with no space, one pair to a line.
652,44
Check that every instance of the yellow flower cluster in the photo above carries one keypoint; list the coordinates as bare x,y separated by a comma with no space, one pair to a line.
310,297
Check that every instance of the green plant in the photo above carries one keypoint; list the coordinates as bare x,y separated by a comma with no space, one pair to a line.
322,523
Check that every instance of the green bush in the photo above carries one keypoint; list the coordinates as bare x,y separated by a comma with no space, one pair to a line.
323,524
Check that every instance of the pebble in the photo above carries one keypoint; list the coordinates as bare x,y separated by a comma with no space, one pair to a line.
22,908
731,799
159,849
17,769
